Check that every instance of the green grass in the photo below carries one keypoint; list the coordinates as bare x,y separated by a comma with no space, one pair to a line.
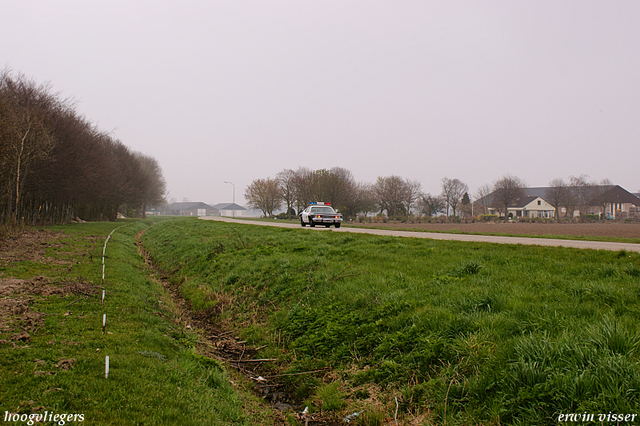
156,375
462,232
455,332
505,234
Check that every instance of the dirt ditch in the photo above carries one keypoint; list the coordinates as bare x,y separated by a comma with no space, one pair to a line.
218,343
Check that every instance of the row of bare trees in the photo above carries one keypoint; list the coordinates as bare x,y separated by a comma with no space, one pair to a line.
56,166
295,189
391,195
398,197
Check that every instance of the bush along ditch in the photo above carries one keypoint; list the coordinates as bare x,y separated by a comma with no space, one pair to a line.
417,330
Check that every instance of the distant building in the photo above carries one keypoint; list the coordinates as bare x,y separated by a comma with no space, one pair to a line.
612,201
189,209
617,202
230,210
528,207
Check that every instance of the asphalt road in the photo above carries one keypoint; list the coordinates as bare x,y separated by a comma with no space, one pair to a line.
594,245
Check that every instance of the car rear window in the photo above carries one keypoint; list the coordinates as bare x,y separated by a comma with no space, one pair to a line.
321,210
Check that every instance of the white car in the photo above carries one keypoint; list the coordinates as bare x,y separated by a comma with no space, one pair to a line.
320,214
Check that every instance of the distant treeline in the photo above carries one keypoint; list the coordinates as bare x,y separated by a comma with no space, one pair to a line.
56,166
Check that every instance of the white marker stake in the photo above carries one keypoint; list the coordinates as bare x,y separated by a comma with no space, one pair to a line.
106,367
104,322
102,297
103,274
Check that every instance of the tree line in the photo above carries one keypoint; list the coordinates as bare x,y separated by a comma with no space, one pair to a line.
397,197
390,195
56,166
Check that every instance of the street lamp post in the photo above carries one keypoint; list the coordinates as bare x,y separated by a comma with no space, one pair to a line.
233,214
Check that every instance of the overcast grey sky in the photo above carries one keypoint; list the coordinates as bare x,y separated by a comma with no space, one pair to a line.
239,90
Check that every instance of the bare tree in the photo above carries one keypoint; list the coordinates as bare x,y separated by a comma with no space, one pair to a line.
430,205
154,187
54,165
360,199
304,182
582,190
25,136
391,194
555,194
599,197
507,190
264,195
413,192
334,186
287,183
452,192
483,197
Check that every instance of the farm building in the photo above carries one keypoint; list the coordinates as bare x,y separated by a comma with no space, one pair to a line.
230,209
611,201
188,208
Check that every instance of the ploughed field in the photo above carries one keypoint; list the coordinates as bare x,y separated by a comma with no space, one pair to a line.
614,230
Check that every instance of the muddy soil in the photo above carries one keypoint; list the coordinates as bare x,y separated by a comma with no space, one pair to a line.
31,244
28,244
17,320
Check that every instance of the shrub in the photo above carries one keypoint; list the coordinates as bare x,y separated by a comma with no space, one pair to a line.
469,268
329,397
488,217
586,218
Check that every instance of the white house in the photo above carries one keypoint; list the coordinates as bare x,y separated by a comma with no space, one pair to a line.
528,207
611,201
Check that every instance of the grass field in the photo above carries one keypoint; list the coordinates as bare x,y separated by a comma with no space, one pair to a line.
443,332
52,348
600,231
